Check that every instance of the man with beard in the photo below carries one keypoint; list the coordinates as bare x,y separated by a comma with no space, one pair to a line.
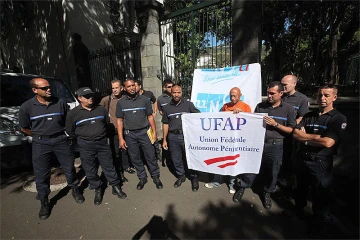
134,117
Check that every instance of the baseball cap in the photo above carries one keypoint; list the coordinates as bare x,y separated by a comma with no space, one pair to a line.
84,91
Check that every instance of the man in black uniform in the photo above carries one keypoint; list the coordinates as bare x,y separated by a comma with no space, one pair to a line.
165,98
319,133
43,118
300,104
89,124
153,101
121,158
134,115
279,123
172,130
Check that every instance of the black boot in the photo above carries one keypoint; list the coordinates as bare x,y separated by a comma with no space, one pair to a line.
266,201
157,182
179,181
98,196
141,183
238,195
116,190
77,195
194,184
123,179
45,209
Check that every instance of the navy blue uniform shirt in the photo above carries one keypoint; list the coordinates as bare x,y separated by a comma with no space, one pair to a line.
134,112
283,114
87,125
173,111
299,102
331,124
163,100
45,120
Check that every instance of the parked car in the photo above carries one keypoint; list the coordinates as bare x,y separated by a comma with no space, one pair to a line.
15,90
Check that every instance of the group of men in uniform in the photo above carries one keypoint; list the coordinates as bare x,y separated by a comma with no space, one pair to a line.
128,121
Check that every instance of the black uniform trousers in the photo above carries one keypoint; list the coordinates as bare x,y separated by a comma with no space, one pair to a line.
89,150
270,166
120,156
136,139
315,172
43,148
177,152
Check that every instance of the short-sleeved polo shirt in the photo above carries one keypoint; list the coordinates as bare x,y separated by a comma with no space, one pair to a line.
134,112
163,100
173,111
299,102
331,124
283,114
87,125
43,119
150,95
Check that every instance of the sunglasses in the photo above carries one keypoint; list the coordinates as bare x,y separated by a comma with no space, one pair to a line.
44,88
87,96
169,86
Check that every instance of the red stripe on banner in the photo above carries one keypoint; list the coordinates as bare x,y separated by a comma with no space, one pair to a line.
244,67
228,164
247,67
221,159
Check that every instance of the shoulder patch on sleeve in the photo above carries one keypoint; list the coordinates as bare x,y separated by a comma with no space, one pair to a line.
343,126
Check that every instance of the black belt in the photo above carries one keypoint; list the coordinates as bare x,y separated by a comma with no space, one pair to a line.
273,140
176,131
312,157
48,136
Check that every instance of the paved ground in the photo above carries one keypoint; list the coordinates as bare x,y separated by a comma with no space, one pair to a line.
151,214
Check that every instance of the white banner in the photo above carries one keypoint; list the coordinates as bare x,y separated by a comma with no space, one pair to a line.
211,87
224,143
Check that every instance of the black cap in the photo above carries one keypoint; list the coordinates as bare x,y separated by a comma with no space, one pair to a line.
83,91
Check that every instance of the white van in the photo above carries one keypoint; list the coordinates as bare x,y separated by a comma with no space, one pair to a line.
15,90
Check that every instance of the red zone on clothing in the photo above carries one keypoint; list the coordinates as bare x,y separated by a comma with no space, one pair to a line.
223,159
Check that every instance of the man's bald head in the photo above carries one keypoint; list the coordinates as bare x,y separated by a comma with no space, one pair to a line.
235,94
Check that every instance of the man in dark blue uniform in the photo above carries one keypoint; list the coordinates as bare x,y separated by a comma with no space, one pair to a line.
319,133
172,132
153,101
279,123
43,118
136,125
165,98
300,104
89,124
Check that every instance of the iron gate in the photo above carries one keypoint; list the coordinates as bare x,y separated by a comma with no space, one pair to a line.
198,36
114,63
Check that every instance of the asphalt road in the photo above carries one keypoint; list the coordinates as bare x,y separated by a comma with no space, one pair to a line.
152,214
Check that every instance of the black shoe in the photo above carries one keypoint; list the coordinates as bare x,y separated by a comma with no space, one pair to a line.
266,201
194,184
123,179
142,183
157,182
77,195
238,195
129,170
44,212
179,181
98,196
116,190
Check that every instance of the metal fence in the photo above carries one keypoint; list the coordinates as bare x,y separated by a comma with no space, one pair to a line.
198,36
114,62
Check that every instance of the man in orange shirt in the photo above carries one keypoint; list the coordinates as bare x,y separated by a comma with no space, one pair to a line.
235,106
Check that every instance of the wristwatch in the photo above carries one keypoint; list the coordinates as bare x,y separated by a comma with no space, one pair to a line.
276,125
306,142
